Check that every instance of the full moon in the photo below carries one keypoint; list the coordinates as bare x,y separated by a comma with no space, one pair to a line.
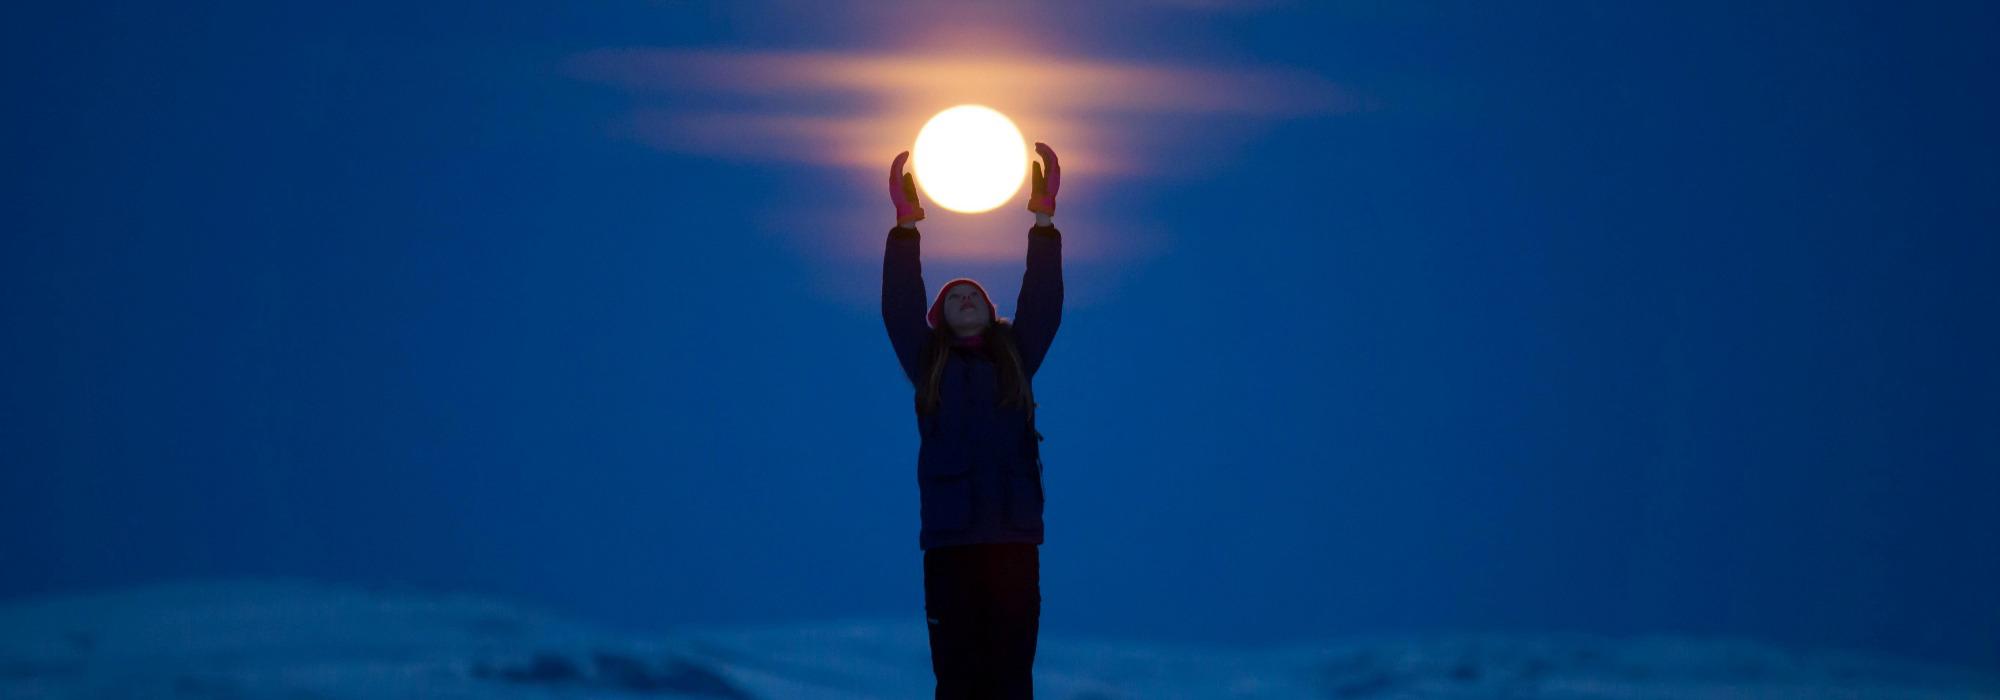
970,159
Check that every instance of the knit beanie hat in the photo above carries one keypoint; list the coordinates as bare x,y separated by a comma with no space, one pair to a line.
936,315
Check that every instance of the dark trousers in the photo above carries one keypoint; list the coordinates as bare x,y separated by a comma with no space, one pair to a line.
983,603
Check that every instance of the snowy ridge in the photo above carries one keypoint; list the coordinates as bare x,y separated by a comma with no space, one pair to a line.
297,639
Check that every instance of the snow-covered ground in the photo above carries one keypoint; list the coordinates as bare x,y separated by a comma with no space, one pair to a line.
293,639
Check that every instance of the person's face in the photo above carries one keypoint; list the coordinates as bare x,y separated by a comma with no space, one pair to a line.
964,311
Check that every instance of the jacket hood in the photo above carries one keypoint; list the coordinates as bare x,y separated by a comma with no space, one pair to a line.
936,315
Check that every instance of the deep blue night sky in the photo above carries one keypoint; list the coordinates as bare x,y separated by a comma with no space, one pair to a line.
1416,316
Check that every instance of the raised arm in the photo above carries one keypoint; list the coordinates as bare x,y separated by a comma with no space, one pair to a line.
903,303
1039,311
903,298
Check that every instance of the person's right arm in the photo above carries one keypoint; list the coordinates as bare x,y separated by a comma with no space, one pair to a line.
903,304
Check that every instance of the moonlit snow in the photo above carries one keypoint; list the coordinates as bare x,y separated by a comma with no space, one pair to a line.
294,639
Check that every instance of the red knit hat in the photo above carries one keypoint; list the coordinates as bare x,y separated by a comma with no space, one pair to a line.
936,315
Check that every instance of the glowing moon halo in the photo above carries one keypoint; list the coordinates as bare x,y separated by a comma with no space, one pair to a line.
970,159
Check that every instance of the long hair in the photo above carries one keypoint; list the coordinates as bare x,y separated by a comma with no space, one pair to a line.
999,337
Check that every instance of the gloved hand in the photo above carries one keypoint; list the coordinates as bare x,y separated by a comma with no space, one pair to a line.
1042,200
903,192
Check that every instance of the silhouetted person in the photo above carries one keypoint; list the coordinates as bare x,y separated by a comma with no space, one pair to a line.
979,469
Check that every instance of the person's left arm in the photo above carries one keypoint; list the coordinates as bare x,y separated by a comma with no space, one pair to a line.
1038,312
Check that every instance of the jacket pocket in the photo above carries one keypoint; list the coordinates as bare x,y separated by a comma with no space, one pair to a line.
947,502
1024,494
938,459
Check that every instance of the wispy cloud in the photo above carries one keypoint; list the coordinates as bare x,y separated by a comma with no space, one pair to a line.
854,108
880,70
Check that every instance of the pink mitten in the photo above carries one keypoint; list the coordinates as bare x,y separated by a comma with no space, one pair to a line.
903,192
1043,197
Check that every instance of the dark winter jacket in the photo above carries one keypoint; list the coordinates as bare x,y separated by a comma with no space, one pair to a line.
979,467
